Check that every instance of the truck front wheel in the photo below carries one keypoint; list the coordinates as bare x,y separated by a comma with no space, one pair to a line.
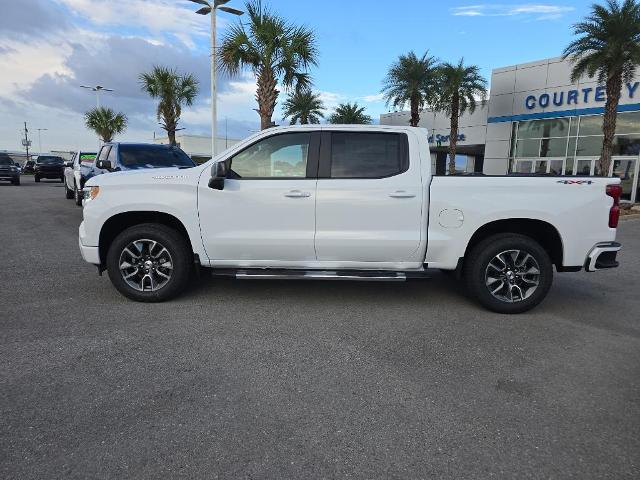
508,273
149,263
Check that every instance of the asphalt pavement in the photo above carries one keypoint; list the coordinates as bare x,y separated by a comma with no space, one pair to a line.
274,380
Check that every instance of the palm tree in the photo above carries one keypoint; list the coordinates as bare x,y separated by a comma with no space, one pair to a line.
174,91
459,87
304,106
105,122
608,45
411,80
274,50
347,113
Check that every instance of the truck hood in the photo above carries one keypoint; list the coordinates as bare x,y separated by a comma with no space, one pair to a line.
150,176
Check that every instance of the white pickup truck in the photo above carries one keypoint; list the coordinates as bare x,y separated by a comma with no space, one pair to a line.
346,203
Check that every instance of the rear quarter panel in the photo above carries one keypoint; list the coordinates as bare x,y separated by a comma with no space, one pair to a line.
577,207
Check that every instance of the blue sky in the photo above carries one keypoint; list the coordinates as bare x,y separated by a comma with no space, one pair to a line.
49,47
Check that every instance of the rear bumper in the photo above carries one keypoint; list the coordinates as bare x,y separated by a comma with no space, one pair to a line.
602,256
9,176
50,173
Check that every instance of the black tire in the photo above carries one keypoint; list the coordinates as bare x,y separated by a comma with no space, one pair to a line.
68,193
15,182
76,195
477,266
178,248
36,178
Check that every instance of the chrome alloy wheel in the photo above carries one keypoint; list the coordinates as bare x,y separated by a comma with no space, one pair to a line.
512,276
146,265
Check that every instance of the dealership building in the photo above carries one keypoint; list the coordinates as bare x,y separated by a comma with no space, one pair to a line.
537,121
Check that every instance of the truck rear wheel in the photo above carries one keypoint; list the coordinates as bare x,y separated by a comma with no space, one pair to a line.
508,273
149,263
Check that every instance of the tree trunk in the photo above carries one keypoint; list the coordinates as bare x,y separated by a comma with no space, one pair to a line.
453,133
304,120
614,85
172,137
415,111
266,96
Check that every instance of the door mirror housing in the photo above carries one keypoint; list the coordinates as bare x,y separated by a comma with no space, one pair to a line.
104,164
68,164
219,172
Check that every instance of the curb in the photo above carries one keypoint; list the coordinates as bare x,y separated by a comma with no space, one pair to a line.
633,216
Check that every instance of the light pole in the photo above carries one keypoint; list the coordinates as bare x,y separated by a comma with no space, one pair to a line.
40,139
210,7
97,89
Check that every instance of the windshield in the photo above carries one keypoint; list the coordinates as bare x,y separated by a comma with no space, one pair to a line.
50,161
152,156
4,161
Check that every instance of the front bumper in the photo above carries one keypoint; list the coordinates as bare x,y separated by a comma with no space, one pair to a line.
602,256
89,254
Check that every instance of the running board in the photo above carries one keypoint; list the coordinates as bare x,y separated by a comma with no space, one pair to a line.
362,276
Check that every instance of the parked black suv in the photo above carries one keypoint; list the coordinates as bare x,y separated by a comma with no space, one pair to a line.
49,166
9,170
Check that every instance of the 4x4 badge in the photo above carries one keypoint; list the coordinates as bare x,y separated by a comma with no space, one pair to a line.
576,182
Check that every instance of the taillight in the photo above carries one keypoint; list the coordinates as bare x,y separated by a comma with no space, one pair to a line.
615,192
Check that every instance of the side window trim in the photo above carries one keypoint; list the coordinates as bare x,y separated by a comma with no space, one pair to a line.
324,170
312,158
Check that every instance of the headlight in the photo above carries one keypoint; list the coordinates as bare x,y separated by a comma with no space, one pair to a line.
90,193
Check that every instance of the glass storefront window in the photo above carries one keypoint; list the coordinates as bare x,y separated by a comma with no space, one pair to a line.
628,122
625,170
555,167
528,148
553,147
626,145
540,166
573,129
583,168
571,148
590,125
553,127
589,146
523,166
568,169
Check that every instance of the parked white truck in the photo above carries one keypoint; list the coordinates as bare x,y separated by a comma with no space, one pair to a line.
346,202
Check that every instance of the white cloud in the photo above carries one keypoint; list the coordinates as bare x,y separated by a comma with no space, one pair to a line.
159,17
23,63
535,11
378,97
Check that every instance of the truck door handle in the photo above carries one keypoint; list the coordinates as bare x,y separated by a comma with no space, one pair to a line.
402,194
297,194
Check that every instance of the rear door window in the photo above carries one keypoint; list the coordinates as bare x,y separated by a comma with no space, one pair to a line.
368,155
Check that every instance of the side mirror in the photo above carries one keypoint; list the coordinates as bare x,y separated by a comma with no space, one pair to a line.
219,172
104,165
68,164
17,164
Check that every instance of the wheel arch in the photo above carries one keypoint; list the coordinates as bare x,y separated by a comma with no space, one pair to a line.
539,230
121,221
